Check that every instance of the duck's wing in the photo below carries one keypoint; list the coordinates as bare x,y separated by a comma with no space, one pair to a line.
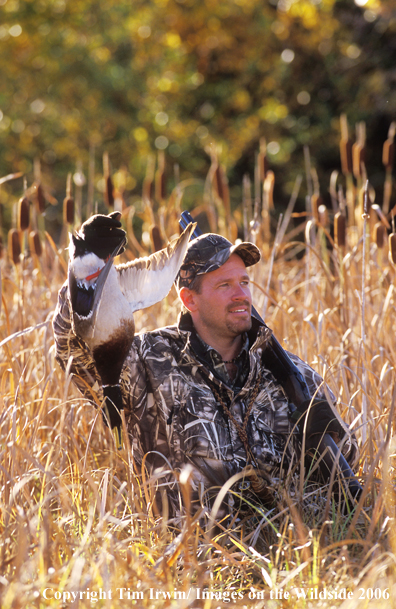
148,280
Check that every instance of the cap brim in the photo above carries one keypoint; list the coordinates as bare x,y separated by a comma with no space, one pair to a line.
249,252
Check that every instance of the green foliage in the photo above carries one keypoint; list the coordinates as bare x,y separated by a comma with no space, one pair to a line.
132,78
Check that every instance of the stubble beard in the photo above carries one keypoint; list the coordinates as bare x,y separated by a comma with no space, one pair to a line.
239,326
228,327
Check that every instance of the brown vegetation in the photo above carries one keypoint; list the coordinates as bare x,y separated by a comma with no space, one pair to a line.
74,517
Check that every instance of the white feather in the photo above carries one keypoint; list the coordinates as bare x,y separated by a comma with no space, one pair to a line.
148,280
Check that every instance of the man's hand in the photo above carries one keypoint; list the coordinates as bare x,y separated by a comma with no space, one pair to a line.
321,419
100,234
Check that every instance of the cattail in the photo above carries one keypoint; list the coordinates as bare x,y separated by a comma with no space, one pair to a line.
358,150
310,236
323,215
388,157
364,200
392,247
160,186
340,229
219,182
38,192
262,161
39,197
68,210
316,201
148,181
388,150
68,203
109,192
160,178
35,243
388,153
246,205
156,238
345,147
221,187
346,156
14,245
380,234
358,159
109,188
23,213
268,188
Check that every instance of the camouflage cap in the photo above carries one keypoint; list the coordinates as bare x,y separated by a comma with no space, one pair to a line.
209,252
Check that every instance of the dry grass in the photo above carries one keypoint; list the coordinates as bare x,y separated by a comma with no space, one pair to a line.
75,519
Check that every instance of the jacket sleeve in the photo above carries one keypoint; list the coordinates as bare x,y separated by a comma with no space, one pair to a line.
141,412
72,353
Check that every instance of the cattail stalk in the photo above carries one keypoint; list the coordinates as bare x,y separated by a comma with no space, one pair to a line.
359,150
268,204
79,180
347,166
345,147
340,242
310,286
308,175
148,187
246,205
223,196
255,223
91,181
363,327
271,264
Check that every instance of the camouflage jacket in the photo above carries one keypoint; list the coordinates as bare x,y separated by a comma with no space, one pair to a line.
171,402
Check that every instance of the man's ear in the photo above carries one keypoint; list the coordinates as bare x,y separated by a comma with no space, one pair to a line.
188,298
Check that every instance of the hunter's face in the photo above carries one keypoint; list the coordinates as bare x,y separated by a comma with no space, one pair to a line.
224,302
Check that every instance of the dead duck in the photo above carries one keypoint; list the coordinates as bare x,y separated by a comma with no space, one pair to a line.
104,296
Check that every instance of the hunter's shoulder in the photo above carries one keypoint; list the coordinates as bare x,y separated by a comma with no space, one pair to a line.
160,338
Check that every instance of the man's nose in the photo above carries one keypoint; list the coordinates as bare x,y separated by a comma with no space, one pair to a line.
239,293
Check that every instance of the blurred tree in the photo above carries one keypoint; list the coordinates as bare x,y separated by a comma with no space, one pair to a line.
131,78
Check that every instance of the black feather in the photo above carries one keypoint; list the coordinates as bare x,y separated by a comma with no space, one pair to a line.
83,301
100,235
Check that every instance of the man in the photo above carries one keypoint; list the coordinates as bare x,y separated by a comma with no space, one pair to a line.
199,392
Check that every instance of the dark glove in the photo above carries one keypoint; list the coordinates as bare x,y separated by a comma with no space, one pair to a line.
101,235
321,419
